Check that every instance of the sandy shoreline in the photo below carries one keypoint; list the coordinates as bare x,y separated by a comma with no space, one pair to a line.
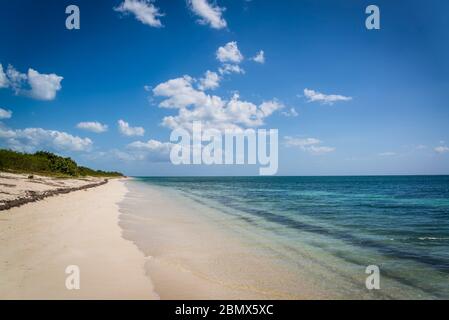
134,241
19,189
39,240
122,254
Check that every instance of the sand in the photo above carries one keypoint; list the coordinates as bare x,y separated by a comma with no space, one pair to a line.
39,240
18,189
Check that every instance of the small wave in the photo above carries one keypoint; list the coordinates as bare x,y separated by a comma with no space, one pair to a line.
433,238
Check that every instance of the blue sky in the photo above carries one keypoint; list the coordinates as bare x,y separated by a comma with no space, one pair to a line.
377,100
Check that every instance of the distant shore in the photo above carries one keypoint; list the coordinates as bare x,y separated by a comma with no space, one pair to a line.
39,240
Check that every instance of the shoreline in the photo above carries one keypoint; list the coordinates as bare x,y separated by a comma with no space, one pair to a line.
136,240
171,230
39,240
35,196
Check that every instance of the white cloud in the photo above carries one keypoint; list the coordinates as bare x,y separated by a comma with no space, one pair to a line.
229,53
290,113
126,130
43,86
94,126
211,81
230,56
3,78
189,97
151,145
15,79
260,57
5,114
144,11
32,139
179,92
40,86
268,107
300,142
314,96
311,145
320,149
209,13
152,150
230,68
213,111
441,149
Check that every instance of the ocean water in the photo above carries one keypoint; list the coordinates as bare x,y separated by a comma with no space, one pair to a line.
342,224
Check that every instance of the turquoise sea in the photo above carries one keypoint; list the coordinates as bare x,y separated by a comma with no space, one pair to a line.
399,223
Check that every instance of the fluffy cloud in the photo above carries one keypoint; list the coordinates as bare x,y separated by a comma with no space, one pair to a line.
43,86
32,139
152,150
230,68
211,80
94,126
180,93
143,10
260,57
208,13
230,56
5,114
127,130
229,53
40,86
211,110
311,145
151,145
290,113
314,96
441,149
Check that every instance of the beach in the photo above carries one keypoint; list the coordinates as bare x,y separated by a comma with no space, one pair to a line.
226,238
167,247
39,240
171,254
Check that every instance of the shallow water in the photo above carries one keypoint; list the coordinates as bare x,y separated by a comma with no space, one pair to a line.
329,229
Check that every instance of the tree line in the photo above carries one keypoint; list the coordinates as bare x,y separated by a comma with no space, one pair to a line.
47,163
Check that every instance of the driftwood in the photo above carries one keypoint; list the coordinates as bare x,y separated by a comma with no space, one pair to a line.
36,196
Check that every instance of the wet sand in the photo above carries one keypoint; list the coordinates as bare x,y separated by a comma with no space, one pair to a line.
39,240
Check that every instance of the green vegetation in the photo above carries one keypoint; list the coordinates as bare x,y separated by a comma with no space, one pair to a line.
47,163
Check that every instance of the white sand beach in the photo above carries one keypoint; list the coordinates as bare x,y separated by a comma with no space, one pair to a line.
39,240
169,253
